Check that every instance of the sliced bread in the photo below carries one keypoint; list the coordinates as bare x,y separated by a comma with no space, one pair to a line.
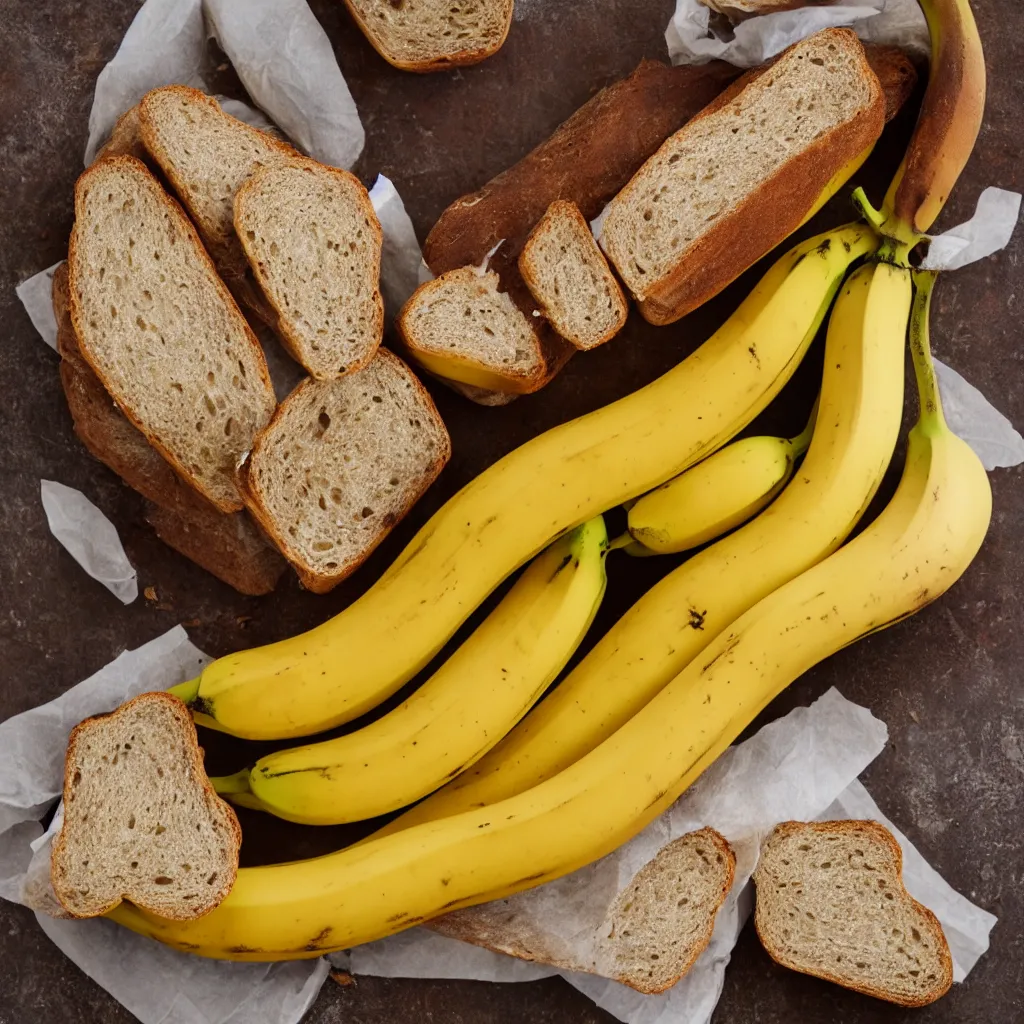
831,902
650,936
228,545
742,175
462,327
161,331
141,820
341,463
431,35
125,138
314,243
738,10
569,277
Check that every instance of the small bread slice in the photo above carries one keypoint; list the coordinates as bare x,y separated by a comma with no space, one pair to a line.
341,464
460,326
742,175
141,820
569,277
314,242
831,902
161,331
432,35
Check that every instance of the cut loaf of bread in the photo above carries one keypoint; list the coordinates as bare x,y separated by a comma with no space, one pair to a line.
742,175
227,544
341,463
314,242
831,902
650,935
569,277
431,35
141,820
161,331
460,326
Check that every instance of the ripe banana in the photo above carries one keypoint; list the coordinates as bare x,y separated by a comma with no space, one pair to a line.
858,420
458,714
346,666
916,549
716,495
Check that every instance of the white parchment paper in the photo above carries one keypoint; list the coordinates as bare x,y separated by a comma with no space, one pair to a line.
988,231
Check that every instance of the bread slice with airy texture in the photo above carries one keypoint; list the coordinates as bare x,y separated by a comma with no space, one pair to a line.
831,902
431,35
161,331
141,820
341,463
742,175
569,277
651,933
461,326
314,243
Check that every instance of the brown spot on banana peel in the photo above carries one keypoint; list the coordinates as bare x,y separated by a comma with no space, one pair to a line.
239,950
696,620
318,940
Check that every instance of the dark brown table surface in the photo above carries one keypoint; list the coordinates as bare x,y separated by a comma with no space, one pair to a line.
947,682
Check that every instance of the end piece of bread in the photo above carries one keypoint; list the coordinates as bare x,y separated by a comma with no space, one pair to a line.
460,326
742,175
341,463
160,329
432,35
141,820
314,243
569,277
831,902
650,936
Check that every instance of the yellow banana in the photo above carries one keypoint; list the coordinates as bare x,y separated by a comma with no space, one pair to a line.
346,666
458,714
916,549
855,432
716,495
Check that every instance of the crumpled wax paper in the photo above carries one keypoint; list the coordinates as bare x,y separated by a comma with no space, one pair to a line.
695,35
803,766
988,231
157,984
90,538
278,49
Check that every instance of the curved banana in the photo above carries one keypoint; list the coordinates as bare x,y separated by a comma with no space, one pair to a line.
346,666
716,495
916,549
858,420
458,714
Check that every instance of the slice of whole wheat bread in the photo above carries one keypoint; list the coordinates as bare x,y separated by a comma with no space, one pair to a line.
651,932
460,326
125,138
314,244
161,331
569,277
141,820
341,463
831,902
432,35
742,175
228,545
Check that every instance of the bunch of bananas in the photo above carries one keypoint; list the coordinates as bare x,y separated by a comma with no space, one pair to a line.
672,683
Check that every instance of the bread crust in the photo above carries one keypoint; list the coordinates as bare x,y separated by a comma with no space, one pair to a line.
441,63
787,828
133,165
195,753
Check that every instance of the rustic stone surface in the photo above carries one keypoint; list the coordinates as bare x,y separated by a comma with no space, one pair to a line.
946,682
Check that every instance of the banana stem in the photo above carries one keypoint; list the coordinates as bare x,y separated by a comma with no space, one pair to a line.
186,692
802,441
621,542
932,418
874,217
231,785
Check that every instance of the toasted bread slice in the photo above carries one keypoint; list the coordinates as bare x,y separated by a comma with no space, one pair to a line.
228,545
314,243
651,934
569,277
141,820
341,464
831,902
742,175
432,35
161,331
